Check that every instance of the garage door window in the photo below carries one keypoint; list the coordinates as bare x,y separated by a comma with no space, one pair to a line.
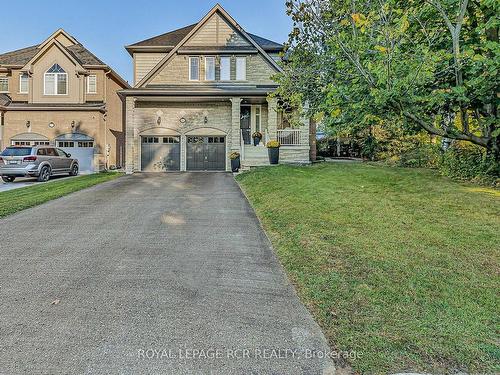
65,144
150,140
30,143
86,144
170,140
215,139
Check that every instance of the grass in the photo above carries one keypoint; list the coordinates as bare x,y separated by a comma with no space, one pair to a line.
399,265
12,201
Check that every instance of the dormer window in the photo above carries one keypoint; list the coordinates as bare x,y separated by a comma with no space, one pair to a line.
210,68
23,83
241,68
4,84
56,81
92,84
194,68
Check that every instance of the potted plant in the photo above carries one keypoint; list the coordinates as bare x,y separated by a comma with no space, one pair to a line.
273,150
235,161
257,136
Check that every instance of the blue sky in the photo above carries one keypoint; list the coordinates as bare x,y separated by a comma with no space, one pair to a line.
105,27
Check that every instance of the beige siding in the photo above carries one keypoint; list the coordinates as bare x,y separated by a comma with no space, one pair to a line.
217,32
75,93
144,63
259,71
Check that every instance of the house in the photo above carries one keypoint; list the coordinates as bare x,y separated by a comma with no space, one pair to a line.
61,94
199,94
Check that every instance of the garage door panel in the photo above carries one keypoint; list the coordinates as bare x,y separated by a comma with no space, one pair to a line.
160,154
206,153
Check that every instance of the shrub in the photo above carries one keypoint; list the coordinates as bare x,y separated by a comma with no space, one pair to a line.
273,144
467,161
422,156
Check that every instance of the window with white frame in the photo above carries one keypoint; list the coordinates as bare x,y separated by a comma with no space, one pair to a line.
4,84
209,68
257,118
225,68
241,68
194,68
55,81
23,83
92,84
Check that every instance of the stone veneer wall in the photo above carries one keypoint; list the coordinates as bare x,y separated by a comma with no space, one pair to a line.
144,118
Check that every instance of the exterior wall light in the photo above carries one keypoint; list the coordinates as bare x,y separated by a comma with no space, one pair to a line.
51,125
206,120
158,121
28,124
183,120
73,124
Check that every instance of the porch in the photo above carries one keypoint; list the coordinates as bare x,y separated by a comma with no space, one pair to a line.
271,124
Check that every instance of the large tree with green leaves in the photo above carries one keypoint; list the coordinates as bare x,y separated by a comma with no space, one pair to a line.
428,65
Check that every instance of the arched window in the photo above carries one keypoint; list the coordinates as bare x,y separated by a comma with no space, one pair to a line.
55,81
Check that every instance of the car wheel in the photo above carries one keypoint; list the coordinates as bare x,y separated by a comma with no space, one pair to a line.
44,174
74,170
8,178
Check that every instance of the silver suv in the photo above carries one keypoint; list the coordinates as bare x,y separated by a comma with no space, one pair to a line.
36,161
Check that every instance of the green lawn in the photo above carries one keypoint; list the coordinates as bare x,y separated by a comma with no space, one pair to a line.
399,265
19,199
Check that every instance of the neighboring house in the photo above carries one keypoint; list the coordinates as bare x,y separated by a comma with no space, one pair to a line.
199,94
59,93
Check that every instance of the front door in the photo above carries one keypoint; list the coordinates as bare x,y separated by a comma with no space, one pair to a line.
245,124
206,153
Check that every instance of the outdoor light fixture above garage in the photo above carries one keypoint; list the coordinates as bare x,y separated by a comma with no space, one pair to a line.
51,125
28,124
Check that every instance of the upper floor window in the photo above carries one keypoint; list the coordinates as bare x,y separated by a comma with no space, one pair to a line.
55,81
23,83
4,84
92,84
241,68
225,68
210,68
194,68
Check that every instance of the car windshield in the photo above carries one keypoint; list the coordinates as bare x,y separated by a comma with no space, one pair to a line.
16,151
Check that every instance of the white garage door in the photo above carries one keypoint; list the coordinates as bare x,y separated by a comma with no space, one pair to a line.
81,147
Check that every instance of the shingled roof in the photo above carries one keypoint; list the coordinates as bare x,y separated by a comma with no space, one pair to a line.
22,56
172,38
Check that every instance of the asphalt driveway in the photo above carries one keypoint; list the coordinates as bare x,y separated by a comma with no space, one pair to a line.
156,274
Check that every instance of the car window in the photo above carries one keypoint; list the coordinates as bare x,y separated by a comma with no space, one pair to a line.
51,152
62,153
42,151
16,151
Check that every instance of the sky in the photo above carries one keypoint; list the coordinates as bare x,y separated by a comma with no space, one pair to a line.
105,27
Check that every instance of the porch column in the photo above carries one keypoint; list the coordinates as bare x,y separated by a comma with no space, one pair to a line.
235,124
305,126
130,142
272,118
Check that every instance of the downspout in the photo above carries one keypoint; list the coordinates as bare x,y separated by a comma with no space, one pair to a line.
105,119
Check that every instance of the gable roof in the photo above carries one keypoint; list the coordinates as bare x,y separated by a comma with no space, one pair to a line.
172,38
21,57
217,8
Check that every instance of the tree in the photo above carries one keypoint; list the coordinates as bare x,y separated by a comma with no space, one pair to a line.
428,65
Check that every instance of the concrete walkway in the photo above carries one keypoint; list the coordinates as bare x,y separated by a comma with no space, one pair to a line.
149,274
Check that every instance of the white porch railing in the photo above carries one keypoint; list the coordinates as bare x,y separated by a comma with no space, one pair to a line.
289,137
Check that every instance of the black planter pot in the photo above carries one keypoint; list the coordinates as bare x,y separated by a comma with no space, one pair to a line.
274,155
256,141
235,164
